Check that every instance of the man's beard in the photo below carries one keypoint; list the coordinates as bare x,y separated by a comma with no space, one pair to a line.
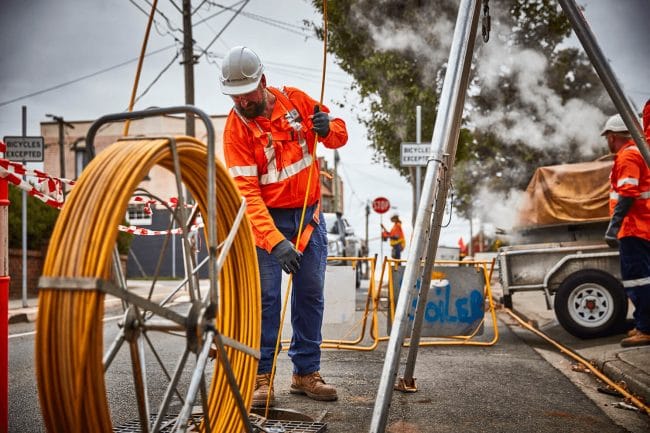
253,110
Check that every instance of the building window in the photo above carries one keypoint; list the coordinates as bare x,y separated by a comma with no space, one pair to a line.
137,216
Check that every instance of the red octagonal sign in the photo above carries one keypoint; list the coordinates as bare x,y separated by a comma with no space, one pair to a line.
380,205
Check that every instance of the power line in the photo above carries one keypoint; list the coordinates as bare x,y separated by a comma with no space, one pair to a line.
76,80
223,29
160,74
268,21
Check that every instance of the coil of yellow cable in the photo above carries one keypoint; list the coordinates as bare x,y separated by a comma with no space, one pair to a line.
69,338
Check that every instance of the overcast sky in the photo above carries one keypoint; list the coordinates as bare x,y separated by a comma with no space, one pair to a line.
47,43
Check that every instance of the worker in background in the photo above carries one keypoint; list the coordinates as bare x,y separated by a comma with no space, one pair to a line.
629,228
268,140
395,237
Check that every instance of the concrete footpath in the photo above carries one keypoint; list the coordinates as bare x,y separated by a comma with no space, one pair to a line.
627,366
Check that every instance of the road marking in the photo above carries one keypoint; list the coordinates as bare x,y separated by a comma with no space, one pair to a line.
27,334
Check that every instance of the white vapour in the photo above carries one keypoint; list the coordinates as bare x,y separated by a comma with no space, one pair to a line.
429,37
553,123
499,209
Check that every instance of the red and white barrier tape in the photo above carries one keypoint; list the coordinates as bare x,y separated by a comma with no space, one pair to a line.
48,185
146,232
172,203
51,185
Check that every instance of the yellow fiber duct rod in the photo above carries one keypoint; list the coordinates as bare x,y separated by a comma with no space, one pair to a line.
69,339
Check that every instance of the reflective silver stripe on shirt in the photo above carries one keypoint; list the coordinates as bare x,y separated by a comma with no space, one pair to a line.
628,181
636,283
243,170
275,176
644,195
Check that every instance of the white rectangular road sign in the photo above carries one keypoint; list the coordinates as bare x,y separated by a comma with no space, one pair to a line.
27,149
414,154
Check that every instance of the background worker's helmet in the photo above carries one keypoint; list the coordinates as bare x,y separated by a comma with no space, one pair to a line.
241,71
615,124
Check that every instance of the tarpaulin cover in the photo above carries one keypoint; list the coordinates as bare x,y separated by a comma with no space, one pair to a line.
567,193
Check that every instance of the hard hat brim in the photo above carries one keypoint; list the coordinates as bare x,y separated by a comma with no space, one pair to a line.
234,88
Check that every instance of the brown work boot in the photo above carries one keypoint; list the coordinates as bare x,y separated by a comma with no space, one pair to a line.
632,332
638,339
313,386
262,389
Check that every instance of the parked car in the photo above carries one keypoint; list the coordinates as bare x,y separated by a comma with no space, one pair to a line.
342,242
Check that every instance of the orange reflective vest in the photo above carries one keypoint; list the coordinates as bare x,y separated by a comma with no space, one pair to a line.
270,159
630,177
395,236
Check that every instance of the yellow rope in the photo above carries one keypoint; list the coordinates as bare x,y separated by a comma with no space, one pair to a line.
69,339
139,68
302,215
570,353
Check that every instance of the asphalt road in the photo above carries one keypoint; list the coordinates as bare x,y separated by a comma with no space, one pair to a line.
518,385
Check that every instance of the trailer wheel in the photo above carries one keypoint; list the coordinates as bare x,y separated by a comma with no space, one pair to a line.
591,304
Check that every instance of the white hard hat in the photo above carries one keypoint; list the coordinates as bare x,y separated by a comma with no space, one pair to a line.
241,71
614,124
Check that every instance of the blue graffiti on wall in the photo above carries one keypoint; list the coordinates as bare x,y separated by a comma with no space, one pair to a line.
439,307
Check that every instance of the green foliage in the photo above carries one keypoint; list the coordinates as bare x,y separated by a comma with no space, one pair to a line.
40,221
392,82
393,78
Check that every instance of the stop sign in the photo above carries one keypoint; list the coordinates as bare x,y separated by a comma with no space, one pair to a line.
380,205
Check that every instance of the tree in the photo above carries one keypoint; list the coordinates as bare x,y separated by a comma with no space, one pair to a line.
391,80
396,51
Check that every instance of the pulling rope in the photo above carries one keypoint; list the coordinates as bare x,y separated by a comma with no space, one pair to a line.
638,403
139,68
302,216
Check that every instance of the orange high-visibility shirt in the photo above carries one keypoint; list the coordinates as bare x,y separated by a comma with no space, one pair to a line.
270,159
395,236
630,177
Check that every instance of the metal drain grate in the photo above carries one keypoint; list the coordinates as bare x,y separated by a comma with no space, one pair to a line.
295,426
168,424
270,424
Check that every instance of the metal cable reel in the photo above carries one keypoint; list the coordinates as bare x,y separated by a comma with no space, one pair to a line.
76,351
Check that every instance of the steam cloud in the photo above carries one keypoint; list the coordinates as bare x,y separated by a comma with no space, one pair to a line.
553,123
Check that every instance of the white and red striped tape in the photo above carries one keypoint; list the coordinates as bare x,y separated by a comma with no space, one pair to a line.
48,186
49,190
146,232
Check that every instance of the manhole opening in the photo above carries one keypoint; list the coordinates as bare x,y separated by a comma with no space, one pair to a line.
286,423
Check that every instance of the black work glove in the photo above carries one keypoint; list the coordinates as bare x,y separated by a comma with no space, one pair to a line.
622,207
321,122
288,256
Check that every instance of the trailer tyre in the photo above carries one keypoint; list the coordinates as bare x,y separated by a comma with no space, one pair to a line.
590,304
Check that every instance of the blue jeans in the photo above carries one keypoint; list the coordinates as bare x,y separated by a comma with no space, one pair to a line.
635,272
307,299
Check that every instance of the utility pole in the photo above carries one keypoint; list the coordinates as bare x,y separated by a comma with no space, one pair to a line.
367,224
188,64
62,123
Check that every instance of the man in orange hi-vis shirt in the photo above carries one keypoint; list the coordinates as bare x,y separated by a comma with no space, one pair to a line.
268,141
629,227
395,237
